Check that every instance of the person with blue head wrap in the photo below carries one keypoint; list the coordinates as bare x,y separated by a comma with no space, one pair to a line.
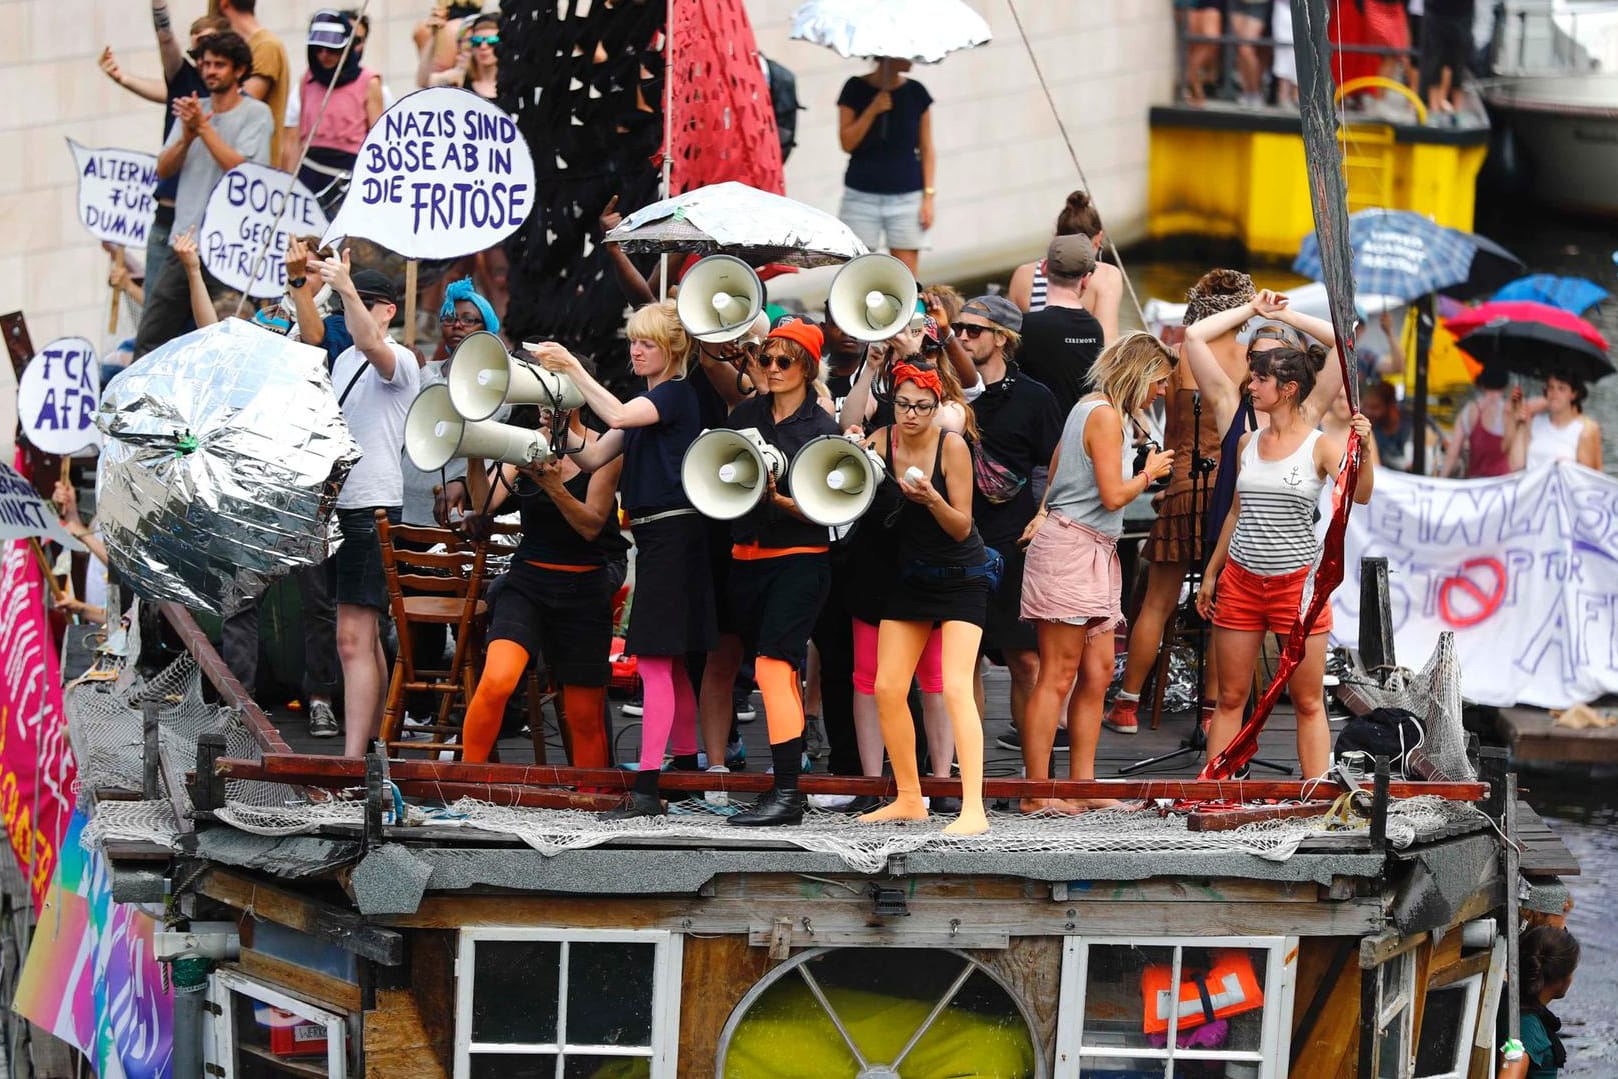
465,311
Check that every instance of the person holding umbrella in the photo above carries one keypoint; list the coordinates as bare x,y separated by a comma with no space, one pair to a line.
1484,429
884,123
1561,433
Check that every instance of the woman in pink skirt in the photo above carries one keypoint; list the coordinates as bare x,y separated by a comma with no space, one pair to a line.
1072,585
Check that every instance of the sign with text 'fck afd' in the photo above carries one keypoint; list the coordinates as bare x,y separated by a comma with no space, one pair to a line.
117,198
442,174
251,212
57,396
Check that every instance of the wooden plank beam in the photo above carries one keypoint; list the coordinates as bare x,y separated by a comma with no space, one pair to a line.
218,672
318,770
1223,820
347,929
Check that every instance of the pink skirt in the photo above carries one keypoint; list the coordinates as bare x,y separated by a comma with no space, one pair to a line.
1072,575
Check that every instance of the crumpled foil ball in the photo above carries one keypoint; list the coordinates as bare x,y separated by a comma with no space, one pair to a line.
224,453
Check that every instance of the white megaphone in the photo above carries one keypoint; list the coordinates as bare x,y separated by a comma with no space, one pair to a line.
435,434
872,297
726,473
719,299
483,376
834,479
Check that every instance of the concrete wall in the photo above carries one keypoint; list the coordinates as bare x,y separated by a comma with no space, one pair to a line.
1003,168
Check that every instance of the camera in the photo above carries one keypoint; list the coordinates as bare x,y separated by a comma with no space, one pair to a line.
1141,453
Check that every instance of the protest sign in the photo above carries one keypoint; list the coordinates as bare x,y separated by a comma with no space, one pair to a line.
250,214
1523,569
57,395
443,173
117,197
24,515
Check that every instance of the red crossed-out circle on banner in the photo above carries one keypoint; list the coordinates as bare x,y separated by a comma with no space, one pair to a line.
1480,587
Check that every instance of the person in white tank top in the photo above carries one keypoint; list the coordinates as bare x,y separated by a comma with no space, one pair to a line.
1255,579
1561,433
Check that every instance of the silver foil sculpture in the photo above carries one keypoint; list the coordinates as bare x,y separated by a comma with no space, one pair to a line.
224,453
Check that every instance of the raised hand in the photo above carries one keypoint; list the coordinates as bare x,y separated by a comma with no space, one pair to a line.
610,217
1269,304
185,249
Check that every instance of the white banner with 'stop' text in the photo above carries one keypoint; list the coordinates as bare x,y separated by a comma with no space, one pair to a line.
1522,568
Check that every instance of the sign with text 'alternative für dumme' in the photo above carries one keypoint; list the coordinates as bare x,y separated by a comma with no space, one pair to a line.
116,193
442,174
57,396
250,214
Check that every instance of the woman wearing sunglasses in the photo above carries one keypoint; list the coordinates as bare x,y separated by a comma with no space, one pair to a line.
780,566
673,611
1072,585
942,580
476,68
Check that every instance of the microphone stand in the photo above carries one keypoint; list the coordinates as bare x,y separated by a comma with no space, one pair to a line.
1195,744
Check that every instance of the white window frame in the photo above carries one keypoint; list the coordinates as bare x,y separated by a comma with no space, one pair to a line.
224,983
1473,984
1397,1002
666,969
1280,976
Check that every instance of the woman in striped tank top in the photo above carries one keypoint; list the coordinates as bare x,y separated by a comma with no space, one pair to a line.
1254,582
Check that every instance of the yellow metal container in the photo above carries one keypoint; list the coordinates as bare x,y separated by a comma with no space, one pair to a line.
1243,175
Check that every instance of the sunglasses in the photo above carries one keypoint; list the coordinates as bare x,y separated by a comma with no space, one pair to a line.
970,330
463,320
915,408
779,362
484,39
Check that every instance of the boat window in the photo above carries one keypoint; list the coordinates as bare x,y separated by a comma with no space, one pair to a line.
1151,1007
555,1004
839,1013
1448,1025
258,1032
1395,995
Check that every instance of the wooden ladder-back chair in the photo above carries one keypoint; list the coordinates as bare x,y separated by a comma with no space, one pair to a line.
444,589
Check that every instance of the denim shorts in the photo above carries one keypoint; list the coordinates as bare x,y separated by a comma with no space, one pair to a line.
355,572
872,216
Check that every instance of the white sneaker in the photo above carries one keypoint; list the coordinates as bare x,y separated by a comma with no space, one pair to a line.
830,801
718,798
410,728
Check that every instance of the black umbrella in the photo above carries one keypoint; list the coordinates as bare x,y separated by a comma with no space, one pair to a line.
1537,350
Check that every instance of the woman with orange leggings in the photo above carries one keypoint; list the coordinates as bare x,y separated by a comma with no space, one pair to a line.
555,601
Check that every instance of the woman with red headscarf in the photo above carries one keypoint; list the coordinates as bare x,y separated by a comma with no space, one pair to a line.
944,576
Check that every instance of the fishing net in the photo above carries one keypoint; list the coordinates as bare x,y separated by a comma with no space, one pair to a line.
1433,696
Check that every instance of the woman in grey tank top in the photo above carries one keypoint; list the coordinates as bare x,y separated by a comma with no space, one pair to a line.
1071,583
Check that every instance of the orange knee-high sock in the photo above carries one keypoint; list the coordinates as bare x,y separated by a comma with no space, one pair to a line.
783,702
502,670
582,708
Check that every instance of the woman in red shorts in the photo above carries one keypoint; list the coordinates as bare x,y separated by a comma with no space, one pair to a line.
1256,577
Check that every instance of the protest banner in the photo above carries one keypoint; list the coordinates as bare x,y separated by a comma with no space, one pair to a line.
90,977
443,173
117,193
251,212
57,396
24,515
1523,569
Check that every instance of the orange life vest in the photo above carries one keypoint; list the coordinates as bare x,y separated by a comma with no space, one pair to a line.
1228,987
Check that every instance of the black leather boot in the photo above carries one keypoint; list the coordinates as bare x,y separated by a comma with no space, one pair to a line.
776,807
643,799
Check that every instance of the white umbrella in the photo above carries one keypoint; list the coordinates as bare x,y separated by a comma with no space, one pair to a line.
922,30
739,220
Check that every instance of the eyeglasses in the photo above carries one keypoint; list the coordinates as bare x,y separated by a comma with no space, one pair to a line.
464,320
779,362
970,330
484,39
914,408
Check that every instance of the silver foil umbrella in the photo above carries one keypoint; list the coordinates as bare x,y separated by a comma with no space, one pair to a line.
755,226
922,30
224,453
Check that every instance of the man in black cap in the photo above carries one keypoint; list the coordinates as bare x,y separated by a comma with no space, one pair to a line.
376,380
1020,427
1060,342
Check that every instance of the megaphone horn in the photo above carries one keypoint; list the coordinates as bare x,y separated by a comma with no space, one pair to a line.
834,480
725,473
719,299
435,434
483,376
872,297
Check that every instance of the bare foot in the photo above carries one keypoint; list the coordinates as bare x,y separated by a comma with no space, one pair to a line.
1085,805
1048,805
970,822
901,808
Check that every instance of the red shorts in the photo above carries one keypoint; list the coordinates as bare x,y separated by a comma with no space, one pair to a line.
1247,601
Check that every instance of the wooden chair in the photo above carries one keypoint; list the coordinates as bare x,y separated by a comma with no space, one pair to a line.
445,589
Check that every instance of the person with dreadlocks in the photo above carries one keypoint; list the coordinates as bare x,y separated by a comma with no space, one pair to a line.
1258,574
345,102
943,579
